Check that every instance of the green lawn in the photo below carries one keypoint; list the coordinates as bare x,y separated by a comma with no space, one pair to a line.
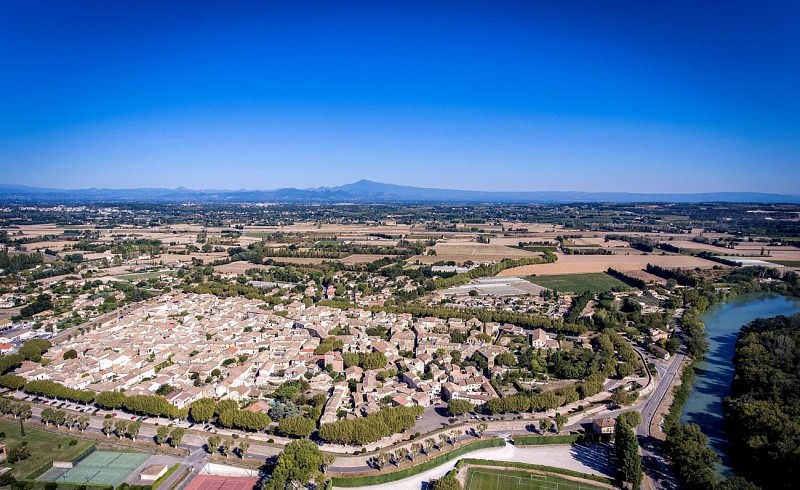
577,283
45,447
502,479
786,263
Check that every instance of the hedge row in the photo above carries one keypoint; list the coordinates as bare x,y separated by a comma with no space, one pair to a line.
545,440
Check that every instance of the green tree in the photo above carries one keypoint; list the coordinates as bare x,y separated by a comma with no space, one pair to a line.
212,444
447,482
626,449
162,433
299,462
120,428
631,419
12,382
71,354
202,410
243,447
560,420
176,436
133,429
108,427
297,426
544,425
459,407
226,446
110,399
693,460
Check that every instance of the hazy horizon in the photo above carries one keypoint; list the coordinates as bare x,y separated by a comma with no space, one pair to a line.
519,96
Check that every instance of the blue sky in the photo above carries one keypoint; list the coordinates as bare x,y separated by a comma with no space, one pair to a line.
679,96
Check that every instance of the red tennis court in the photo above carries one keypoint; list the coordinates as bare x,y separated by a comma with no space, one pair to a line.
212,482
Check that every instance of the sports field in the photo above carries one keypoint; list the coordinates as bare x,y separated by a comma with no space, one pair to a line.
44,447
499,479
578,283
103,468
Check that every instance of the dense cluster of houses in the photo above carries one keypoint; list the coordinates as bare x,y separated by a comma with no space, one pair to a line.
203,346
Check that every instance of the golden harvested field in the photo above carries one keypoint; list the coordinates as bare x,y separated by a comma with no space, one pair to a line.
576,264
168,259
701,246
647,277
56,246
238,267
361,259
514,241
298,260
461,252
446,249
331,229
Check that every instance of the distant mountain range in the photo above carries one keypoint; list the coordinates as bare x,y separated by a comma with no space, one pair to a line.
367,191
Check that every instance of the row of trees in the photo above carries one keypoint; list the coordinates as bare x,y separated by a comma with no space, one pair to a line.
626,449
60,417
627,279
45,387
533,402
215,444
681,277
372,427
398,456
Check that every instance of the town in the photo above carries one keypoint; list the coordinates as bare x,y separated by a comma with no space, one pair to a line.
379,341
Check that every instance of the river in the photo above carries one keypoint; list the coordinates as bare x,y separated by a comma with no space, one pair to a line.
713,376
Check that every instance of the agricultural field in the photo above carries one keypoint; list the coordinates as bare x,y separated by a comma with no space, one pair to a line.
461,252
578,283
506,479
582,264
647,277
238,267
44,447
361,259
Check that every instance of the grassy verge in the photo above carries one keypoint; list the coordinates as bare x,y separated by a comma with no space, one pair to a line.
544,440
166,475
786,263
673,416
44,447
381,478
536,467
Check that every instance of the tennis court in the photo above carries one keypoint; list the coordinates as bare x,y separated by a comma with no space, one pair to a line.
104,468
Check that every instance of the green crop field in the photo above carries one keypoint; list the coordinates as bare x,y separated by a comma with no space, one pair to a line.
500,479
577,283
45,447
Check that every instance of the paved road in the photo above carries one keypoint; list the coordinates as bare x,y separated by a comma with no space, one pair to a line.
657,471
